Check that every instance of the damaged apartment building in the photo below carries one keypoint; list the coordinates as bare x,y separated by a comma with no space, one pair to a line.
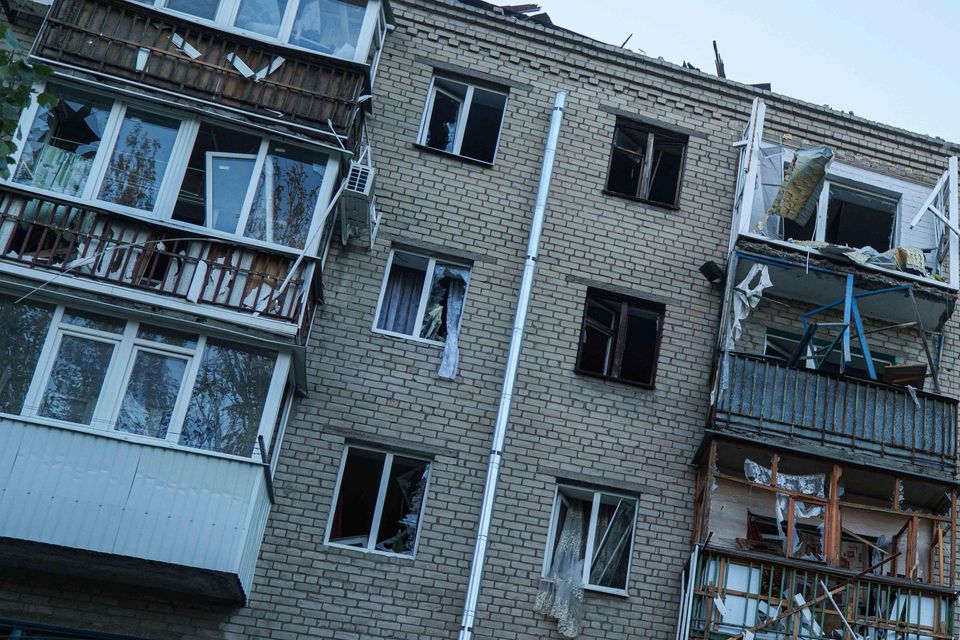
349,320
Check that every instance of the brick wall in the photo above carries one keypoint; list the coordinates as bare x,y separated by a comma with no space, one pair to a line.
373,388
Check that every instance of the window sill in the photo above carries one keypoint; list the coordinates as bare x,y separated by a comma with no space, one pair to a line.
649,203
126,437
597,376
375,552
424,148
607,591
402,336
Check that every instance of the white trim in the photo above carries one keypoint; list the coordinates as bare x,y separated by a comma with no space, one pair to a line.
425,288
210,158
226,16
172,181
463,116
371,543
595,499
279,327
273,404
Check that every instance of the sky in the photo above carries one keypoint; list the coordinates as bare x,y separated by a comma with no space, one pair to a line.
891,61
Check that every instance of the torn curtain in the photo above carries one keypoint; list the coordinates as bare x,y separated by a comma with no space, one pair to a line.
813,485
455,279
561,589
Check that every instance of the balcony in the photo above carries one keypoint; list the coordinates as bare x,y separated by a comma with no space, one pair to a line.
140,45
766,399
727,593
60,238
105,508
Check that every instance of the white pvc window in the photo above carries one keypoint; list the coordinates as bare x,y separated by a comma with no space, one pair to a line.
415,296
591,538
463,119
346,29
137,162
378,502
142,380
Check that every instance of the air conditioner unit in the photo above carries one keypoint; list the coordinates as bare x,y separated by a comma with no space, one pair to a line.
357,213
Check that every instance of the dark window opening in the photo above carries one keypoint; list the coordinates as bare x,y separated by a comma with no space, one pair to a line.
859,219
646,163
464,120
359,487
620,338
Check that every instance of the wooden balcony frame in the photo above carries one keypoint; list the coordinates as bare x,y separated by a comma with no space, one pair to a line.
68,239
313,93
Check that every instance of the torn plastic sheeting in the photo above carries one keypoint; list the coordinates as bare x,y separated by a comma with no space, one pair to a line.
798,195
457,278
746,297
813,485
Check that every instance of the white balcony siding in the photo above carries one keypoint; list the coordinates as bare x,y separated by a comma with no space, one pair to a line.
86,491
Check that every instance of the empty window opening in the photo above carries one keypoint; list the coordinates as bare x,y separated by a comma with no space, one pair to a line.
620,338
851,217
379,502
463,119
783,344
646,163
418,295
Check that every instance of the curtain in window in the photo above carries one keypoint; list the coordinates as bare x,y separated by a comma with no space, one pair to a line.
456,281
561,590
398,312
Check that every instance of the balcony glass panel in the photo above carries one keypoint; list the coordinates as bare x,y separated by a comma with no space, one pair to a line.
261,16
79,370
139,160
151,393
329,26
63,142
23,328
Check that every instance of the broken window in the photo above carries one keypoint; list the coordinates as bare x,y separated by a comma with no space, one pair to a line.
139,161
463,119
591,539
379,501
329,26
852,217
217,178
422,297
646,162
620,338
59,151
23,329
228,399
783,344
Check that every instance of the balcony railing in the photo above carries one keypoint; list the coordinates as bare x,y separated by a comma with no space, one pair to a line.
95,245
766,397
733,593
137,44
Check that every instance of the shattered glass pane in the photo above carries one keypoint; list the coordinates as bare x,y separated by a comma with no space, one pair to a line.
402,505
447,280
139,160
613,542
151,394
76,379
63,142
228,399
23,329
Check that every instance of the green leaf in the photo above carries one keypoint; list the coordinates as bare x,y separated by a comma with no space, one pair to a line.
47,100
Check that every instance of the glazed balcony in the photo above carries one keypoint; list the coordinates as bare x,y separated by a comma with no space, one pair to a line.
766,399
729,593
187,58
57,240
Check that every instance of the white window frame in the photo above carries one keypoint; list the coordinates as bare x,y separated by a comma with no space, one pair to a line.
370,546
172,181
424,294
591,534
823,204
227,13
209,161
117,377
463,116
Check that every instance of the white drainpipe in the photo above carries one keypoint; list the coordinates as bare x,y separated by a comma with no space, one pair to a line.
510,374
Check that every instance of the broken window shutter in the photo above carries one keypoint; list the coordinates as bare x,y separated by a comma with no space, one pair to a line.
749,171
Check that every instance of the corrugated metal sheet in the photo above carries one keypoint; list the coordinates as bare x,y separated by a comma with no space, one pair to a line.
98,493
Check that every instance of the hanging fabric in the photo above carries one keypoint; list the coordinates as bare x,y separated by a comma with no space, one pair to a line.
561,590
746,297
456,279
